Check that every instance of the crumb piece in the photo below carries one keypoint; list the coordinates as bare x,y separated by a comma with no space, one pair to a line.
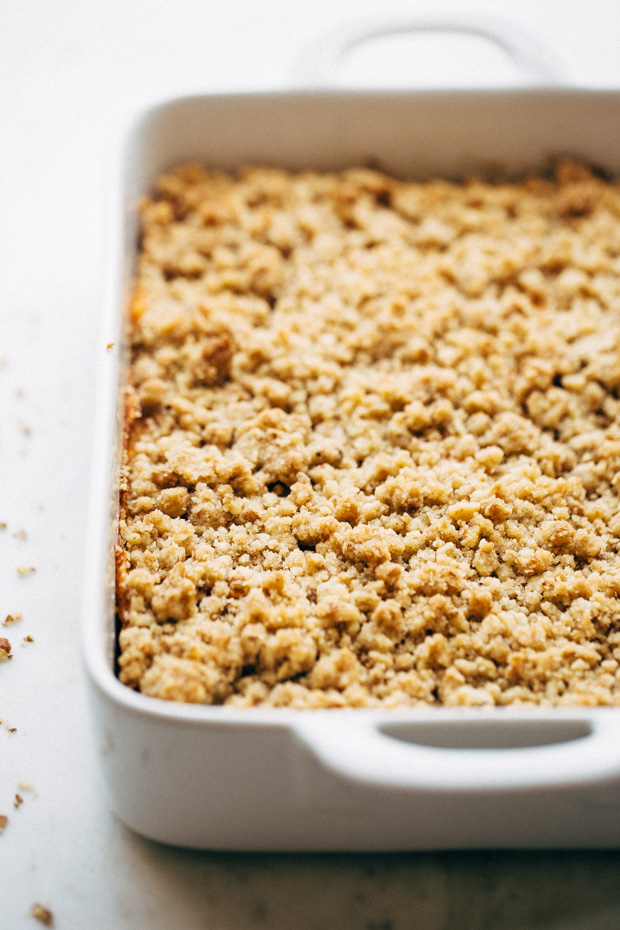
3,822
5,649
12,729
43,915
576,199
110,345
2,526
533,562
28,639
11,618
25,570
18,801
21,535
25,429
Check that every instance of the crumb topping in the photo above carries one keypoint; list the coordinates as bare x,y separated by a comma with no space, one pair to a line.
373,442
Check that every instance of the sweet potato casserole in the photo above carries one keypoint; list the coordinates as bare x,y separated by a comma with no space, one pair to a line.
373,441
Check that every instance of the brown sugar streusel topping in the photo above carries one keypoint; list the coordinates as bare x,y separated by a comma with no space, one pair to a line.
373,442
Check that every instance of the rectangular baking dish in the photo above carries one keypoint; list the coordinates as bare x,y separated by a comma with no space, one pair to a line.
249,779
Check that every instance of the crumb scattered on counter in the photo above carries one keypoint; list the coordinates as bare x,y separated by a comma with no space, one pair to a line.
3,526
43,915
21,535
110,345
25,429
26,570
5,649
4,820
18,801
28,639
11,618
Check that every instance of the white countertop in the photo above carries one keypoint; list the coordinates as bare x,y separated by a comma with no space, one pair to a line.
71,74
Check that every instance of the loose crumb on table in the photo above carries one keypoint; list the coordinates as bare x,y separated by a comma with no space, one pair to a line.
43,915
373,442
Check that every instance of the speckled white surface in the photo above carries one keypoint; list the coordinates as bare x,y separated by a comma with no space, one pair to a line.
70,74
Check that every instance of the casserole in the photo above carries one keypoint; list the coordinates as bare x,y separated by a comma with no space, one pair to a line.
263,778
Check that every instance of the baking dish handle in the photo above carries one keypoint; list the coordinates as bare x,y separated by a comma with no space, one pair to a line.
318,65
567,751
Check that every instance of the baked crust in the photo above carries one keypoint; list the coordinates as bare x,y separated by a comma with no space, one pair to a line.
373,447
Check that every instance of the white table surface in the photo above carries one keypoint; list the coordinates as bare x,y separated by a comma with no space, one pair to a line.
71,73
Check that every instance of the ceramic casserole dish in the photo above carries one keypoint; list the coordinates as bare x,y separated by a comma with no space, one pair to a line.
275,778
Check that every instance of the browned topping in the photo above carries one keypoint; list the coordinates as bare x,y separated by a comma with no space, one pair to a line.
4,820
373,442
43,915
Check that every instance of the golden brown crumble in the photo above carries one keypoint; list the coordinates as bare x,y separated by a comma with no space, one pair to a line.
373,442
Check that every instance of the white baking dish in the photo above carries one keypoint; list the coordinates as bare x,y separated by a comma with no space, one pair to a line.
220,777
